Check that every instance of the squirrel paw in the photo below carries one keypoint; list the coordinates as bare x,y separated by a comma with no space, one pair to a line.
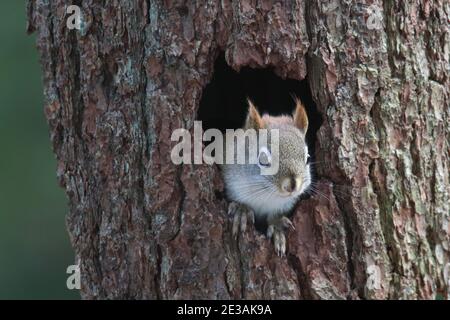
276,232
241,214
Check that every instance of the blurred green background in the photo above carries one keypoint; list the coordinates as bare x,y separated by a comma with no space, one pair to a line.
34,245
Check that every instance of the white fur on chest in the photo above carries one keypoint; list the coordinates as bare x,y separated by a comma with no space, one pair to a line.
258,195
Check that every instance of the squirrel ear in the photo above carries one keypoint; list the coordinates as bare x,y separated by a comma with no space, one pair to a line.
300,116
254,120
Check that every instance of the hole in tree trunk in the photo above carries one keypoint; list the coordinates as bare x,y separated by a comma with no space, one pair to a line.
224,101
224,106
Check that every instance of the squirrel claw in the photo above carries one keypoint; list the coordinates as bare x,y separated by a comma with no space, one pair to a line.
287,223
279,242
236,222
241,214
275,231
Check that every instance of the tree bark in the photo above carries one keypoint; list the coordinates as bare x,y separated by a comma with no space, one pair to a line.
144,228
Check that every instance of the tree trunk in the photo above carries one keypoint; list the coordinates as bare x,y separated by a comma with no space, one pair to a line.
145,228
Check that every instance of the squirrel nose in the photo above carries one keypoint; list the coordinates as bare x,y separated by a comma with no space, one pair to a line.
291,184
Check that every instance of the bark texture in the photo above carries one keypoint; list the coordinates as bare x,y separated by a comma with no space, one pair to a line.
144,228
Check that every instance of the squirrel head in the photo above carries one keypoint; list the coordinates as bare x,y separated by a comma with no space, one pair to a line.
293,176
270,194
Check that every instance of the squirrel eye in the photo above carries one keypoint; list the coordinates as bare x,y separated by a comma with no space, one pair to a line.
264,157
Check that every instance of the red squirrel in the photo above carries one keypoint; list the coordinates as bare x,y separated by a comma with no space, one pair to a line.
270,196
